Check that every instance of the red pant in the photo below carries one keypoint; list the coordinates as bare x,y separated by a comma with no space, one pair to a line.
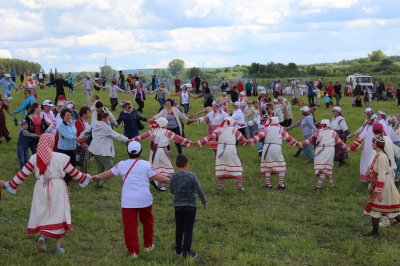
327,105
130,220
276,94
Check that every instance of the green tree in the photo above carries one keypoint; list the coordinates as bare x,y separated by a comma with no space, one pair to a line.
376,56
108,71
176,66
192,72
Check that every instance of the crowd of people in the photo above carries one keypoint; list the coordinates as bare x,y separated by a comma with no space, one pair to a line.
61,137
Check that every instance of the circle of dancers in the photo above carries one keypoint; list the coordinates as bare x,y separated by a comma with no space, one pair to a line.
54,138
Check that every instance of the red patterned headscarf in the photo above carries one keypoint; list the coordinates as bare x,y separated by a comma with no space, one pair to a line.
44,152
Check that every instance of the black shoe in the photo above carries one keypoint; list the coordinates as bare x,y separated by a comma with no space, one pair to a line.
372,234
154,184
281,187
8,139
317,188
268,186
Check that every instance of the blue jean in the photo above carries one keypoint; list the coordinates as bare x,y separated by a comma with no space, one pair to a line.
178,145
33,145
162,102
23,156
308,151
379,96
184,217
186,107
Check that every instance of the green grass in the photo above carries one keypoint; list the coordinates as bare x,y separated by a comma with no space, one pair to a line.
257,227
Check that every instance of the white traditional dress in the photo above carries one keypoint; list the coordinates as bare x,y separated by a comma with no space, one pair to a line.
365,138
272,160
227,162
31,85
324,139
160,138
50,211
224,103
215,119
382,183
391,151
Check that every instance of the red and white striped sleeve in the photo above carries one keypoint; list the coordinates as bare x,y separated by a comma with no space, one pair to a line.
20,177
178,139
239,137
340,142
83,179
306,142
204,118
207,139
145,135
40,84
288,138
357,143
260,136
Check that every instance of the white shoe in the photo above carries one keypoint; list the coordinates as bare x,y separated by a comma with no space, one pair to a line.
149,248
135,256
163,189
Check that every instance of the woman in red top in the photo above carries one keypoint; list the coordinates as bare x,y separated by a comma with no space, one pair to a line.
36,124
240,86
81,151
329,90
193,84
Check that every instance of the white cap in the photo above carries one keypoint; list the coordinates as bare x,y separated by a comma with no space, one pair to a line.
7,75
161,122
263,92
69,106
30,77
88,75
224,93
237,103
305,109
243,93
48,103
134,147
326,122
274,120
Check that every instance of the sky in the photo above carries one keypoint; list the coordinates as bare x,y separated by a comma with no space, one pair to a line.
77,35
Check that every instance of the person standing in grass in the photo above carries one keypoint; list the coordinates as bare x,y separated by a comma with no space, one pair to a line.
102,146
338,124
384,197
113,94
248,88
184,185
136,199
227,162
272,161
160,138
324,140
50,212
88,88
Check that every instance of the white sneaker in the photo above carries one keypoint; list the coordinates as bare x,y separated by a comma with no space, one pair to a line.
163,189
149,248
135,256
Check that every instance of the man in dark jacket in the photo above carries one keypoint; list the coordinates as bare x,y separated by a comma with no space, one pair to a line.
197,81
121,80
59,83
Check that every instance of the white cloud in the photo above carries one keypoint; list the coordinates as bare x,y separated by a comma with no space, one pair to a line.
202,8
328,3
36,52
16,24
4,53
93,67
162,64
369,9
56,4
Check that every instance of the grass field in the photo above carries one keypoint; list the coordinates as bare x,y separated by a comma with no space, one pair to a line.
256,227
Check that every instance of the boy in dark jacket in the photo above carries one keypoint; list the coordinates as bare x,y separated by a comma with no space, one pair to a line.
184,184
23,143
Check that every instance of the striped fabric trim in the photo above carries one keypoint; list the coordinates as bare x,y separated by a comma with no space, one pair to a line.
357,143
272,172
29,166
66,166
